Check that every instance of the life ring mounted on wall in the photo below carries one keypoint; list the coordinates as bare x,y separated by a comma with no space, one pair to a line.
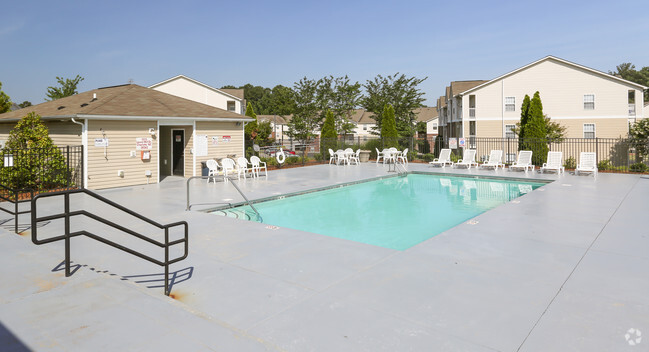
280,156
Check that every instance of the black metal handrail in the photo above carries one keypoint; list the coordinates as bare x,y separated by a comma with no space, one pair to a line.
67,215
16,203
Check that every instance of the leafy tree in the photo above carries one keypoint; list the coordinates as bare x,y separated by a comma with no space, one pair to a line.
38,163
340,97
25,104
399,91
535,132
252,128
306,117
627,71
328,135
282,102
640,133
67,88
389,132
5,101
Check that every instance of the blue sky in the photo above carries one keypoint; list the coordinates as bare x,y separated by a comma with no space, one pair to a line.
278,42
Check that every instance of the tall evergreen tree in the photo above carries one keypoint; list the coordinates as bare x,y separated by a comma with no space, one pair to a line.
535,132
328,135
525,115
251,129
389,132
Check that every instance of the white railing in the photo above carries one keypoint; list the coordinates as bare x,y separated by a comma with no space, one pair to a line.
631,109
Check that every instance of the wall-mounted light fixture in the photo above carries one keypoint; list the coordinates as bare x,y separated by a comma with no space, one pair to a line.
152,131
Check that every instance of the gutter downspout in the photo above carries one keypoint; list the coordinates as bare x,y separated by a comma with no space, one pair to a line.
244,137
84,146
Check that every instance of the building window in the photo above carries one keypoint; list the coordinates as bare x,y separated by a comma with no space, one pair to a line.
510,103
509,131
589,101
364,127
434,126
589,130
471,106
231,105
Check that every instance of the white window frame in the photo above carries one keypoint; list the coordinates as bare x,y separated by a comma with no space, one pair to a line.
594,131
364,127
434,126
234,105
510,103
508,129
589,102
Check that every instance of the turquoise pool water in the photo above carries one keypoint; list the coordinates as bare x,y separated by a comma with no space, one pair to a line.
396,212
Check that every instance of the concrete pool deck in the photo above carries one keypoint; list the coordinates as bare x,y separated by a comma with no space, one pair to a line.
562,268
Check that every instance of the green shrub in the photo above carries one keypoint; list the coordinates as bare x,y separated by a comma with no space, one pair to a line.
412,155
638,167
455,157
604,165
428,157
570,163
318,157
372,145
292,160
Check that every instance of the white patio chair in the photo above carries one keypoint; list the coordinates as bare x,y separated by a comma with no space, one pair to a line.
524,161
332,156
468,159
379,155
587,163
227,165
390,155
213,167
341,156
495,160
554,162
444,158
257,165
355,157
403,157
242,167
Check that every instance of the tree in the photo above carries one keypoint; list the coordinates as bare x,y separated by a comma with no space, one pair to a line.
67,88
252,129
389,132
328,135
25,104
399,91
38,163
340,97
282,102
627,71
639,131
5,101
306,118
535,132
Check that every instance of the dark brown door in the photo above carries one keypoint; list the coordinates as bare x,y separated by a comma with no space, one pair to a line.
178,151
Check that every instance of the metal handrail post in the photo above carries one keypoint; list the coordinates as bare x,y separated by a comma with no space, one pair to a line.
67,234
16,211
167,261
248,201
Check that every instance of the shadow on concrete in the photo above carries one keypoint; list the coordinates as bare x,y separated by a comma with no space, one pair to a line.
10,342
157,280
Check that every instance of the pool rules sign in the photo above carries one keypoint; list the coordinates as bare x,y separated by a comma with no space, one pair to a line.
143,143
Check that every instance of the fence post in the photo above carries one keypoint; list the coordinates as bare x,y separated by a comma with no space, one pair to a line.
596,150
67,170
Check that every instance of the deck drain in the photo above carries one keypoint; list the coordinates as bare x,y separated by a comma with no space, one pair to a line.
472,222
272,227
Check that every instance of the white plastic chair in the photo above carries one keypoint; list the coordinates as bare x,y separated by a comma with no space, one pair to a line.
332,156
242,167
524,161
403,157
495,160
355,157
227,166
444,158
257,165
341,156
390,155
587,163
379,155
468,159
554,162
213,167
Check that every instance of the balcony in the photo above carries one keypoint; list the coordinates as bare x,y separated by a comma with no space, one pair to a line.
631,109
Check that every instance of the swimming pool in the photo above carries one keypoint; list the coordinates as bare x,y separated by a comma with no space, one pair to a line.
395,212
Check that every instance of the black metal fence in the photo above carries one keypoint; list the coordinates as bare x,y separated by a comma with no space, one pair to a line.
42,169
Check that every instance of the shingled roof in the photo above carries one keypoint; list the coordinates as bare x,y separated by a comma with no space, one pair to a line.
426,114
129,100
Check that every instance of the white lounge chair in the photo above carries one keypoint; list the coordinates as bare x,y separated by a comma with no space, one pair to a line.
403,157
554,162
257,165
242,167
379,155
468,159
444,158
587,163
332,156
213,167
228,166
524,161
495,160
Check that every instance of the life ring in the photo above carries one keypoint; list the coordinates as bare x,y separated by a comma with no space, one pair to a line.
280,156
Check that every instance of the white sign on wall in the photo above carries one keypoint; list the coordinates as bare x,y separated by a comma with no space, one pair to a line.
462,143
143,143
215,140
200,145
101,142
452,143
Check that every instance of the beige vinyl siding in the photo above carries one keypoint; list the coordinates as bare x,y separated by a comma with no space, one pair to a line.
102,170
62,133
222,149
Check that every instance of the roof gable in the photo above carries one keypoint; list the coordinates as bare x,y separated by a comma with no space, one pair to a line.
233,93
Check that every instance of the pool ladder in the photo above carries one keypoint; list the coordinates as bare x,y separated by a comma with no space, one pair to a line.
189,205
399,168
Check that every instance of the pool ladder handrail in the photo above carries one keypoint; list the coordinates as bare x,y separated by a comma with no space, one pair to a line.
235,186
